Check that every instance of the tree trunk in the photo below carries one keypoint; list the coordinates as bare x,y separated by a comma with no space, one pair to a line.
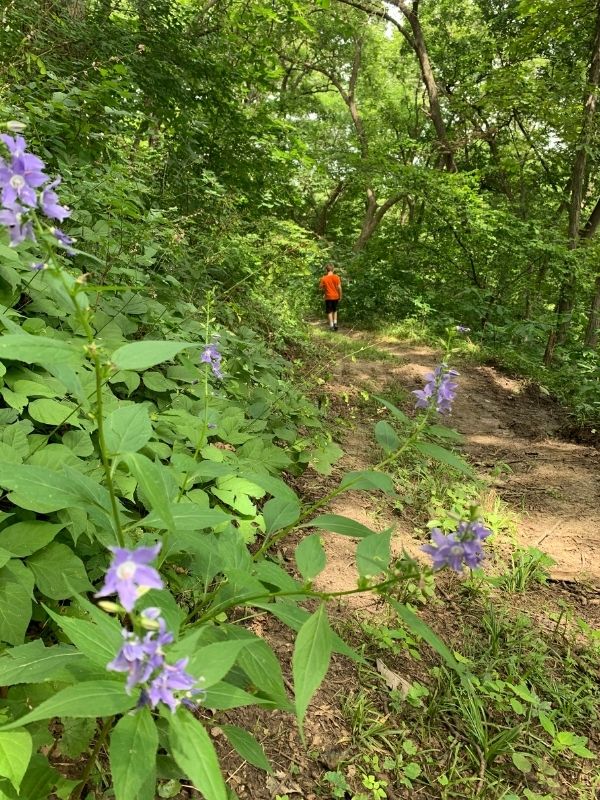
435,110
566,296
593,326
323,213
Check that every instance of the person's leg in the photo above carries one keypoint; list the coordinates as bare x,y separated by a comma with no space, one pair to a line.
335,316
329,309
330,316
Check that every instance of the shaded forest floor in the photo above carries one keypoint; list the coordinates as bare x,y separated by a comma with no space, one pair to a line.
398,726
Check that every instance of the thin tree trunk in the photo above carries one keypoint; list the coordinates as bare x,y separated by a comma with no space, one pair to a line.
323,213
593,326
566,295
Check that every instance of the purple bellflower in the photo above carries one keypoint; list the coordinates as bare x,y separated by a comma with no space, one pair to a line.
463,329
18,229
129,575
439,390
172,678
51,206
212,356
458,549
20,180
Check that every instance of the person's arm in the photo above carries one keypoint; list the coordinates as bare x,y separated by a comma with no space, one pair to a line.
340,287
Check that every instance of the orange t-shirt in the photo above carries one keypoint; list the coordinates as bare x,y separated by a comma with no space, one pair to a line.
331,284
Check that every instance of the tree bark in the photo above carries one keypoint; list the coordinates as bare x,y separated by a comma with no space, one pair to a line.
323,213
566,295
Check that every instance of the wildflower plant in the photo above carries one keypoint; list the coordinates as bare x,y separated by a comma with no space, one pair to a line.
162,513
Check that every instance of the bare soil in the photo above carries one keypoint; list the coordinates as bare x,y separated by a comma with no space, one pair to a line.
550,484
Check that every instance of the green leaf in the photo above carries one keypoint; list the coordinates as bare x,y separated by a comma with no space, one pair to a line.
188,517
146,354
368,479
310,556
152,481
127,429
264,670
16,586
39,350
386,436
337,524
373,554
86,699
24,538
53,412
39,489
279,512
15,754
213,661
312,652
438,453
521,762
421,629
194,753
133,746
58,572
441,432
34,663
89,638
247,746
323,458
400,415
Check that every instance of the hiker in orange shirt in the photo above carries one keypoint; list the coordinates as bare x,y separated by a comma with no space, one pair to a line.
331,286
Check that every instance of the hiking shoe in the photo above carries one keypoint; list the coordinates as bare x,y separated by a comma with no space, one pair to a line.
335,327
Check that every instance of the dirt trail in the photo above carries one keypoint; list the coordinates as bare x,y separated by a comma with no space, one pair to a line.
553,486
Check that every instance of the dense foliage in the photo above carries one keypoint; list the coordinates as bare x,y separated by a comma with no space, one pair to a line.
212,156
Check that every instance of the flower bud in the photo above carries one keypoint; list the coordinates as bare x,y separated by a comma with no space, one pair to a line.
15,127
112,608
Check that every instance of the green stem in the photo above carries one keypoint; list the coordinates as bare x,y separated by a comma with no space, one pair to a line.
105,730
304,594
93,353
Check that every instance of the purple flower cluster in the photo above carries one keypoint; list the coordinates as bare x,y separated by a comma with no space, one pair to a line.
439,390
143,657
22,177
458,549
463,329
212,356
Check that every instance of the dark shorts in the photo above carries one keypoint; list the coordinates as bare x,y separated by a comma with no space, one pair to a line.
331,305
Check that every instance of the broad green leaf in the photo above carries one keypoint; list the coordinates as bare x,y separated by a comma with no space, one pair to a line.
223,696
212,662
279,512
34,663
373,554
58,572
145,354
15,753
273,575
438,453
24,538
386,436
87,699
421,629
152,481
400,415
368,479
133,746
247,746
127,429
76,736
522,762
194,753
34,389
37,488
342,525
323,458
39,350
53,412
16,585
188,517
310,556
274,486
310,662
89,638
264,670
